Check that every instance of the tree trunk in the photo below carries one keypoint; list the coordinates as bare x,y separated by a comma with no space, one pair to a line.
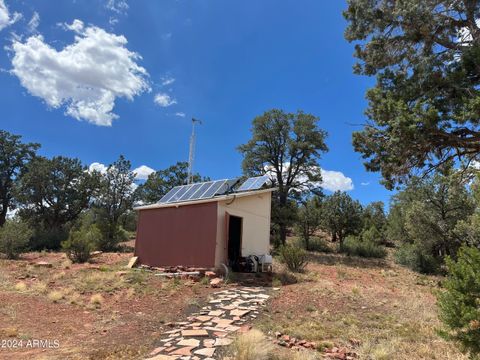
307,242
3,213
283,200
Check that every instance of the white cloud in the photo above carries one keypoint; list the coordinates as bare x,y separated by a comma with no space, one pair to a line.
96,166
5,18
167,80
118,6
366,183
164,100
181,114
331,180
33,23
142,172
336,181
86,76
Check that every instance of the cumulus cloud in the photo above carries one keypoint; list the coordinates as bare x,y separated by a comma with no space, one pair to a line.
5,18
142,172
164,100
86,76
33,23
336,181
331,180
96,166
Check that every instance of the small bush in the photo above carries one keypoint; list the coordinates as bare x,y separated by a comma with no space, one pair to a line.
414,258
21,286
96,299
55,296
320,245
294,257
460,302
80,243
252,345
14,237
354,245
48,238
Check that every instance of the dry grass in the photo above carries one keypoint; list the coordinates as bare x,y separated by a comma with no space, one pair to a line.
20,286
252,345
390,310
97,300
55,296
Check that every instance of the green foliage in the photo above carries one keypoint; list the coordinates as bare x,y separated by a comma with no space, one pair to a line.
294,257
308,220
162,181
14,237
290,146
114,201
424,108
81,242
53,193
355,245
460,302
341,216
320,245
14,155
425,217
45,238
372,235
418,259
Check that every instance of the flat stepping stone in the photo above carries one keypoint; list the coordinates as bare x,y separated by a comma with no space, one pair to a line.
182,351
205,352
194,333
189,342
239,313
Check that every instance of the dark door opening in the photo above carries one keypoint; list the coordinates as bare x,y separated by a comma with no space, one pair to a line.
234,240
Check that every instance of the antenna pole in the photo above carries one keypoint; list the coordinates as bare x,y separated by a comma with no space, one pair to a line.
191,153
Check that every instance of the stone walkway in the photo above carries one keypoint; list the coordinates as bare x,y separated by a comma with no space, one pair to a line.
214,326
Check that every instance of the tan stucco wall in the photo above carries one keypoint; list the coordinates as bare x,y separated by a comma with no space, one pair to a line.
255,211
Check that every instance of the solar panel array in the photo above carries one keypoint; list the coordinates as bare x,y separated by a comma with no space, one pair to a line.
209,189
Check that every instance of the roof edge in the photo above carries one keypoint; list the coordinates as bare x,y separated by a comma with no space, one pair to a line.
213,199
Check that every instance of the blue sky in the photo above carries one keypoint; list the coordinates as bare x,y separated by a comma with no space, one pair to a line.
149,66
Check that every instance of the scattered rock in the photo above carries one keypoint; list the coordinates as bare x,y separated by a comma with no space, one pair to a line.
43,264
210,274
216,282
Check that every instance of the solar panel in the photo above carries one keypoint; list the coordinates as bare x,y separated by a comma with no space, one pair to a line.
169,194
179,194
253,183
213,189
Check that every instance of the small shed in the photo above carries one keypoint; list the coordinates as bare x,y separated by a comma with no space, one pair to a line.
205,225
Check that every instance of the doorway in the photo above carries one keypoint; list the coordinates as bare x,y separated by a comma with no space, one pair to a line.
234,240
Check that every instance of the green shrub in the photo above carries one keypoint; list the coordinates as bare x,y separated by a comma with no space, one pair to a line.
320,245
460,302
80,243
294,257
14,237
414,258
354,245
48,238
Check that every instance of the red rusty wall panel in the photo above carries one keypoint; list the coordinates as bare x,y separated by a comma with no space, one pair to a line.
177,236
